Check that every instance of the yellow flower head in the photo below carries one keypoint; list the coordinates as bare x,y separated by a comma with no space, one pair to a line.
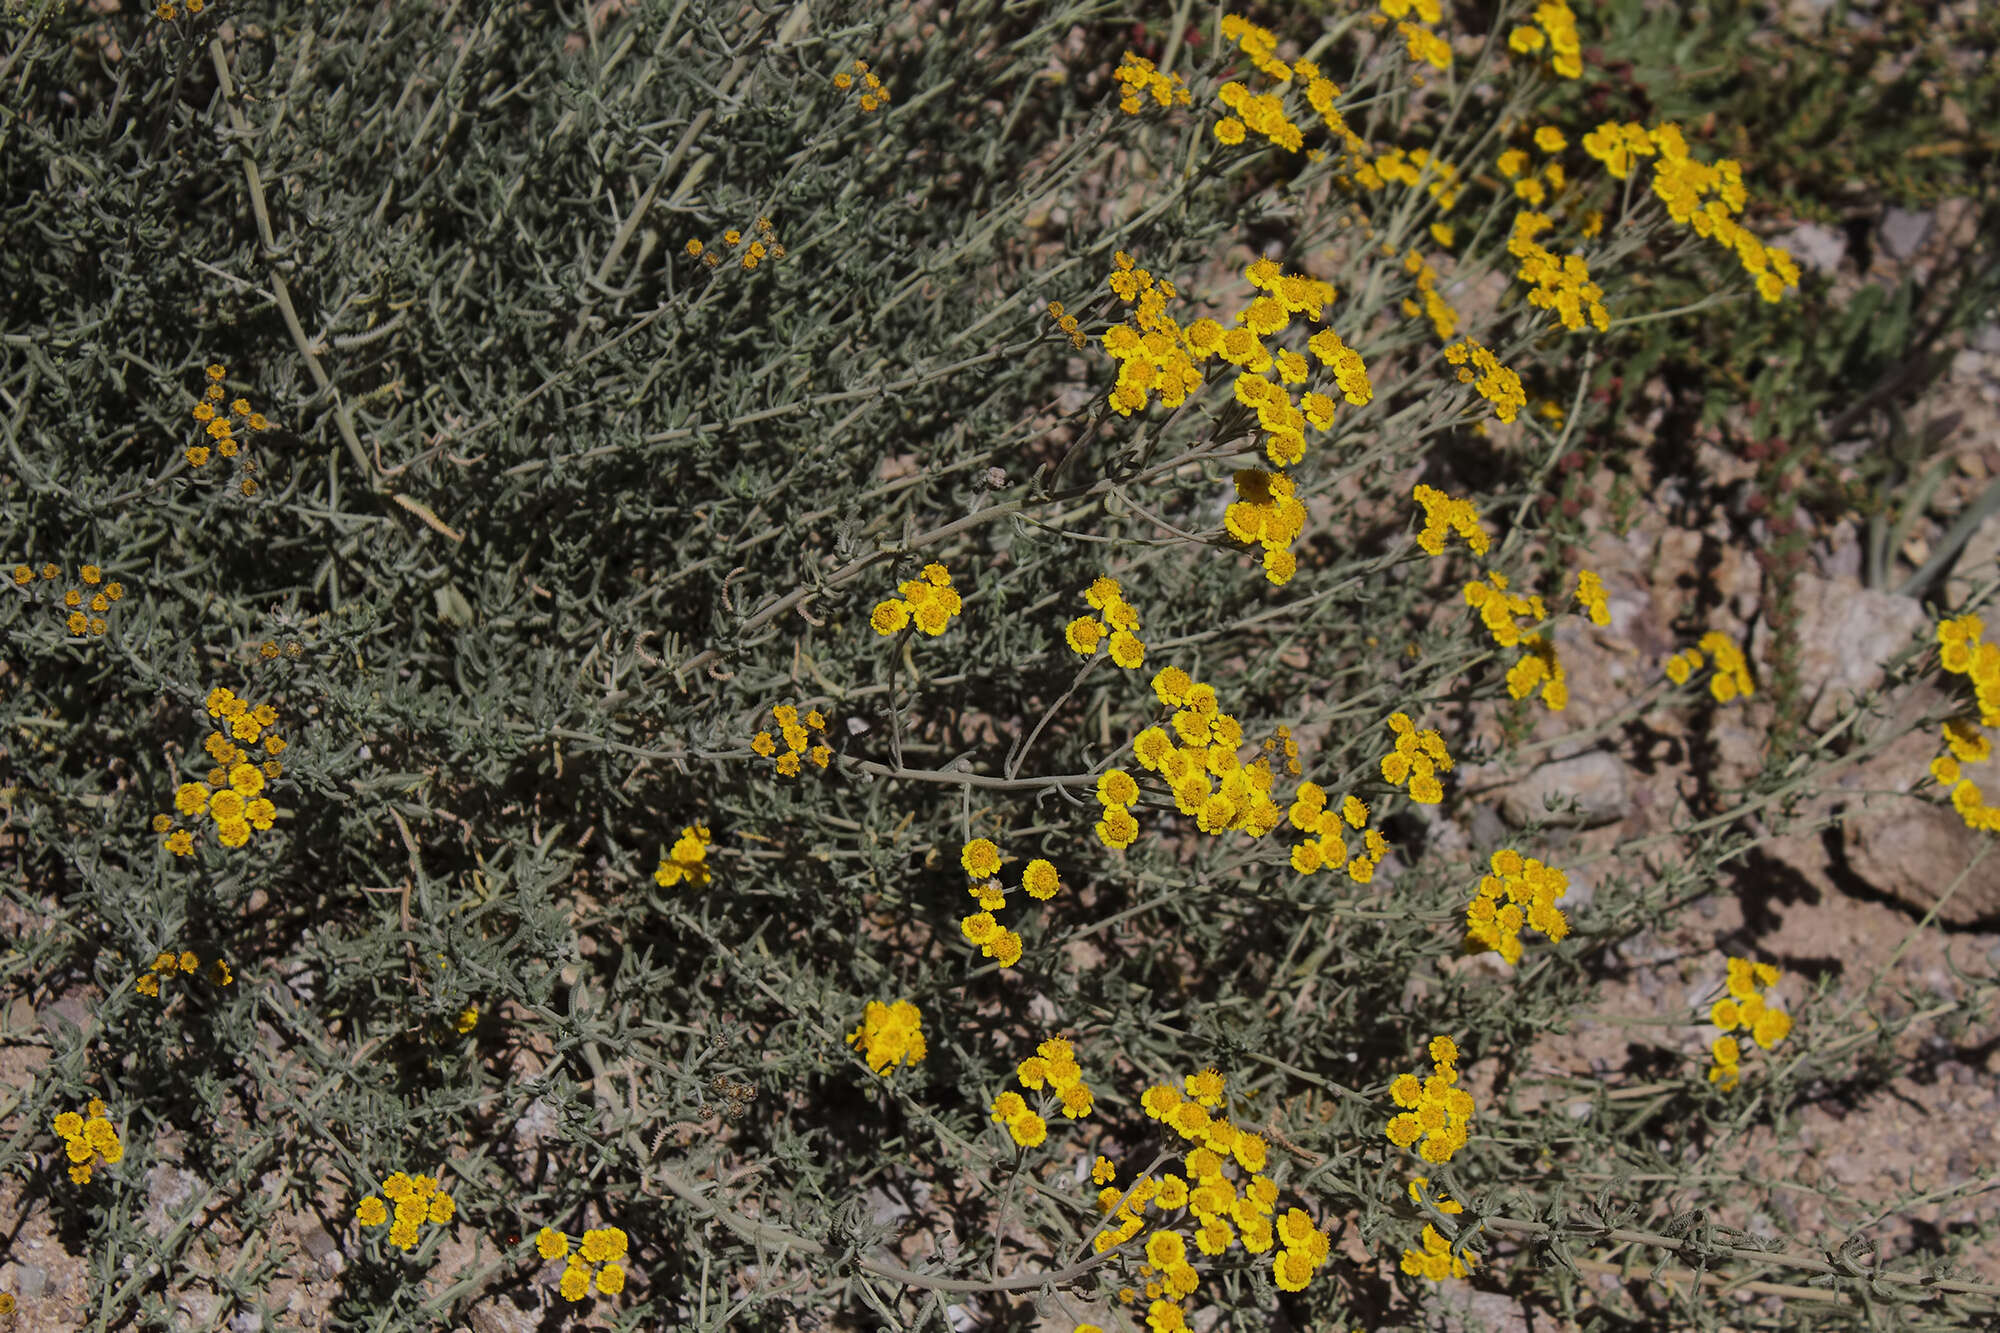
981,858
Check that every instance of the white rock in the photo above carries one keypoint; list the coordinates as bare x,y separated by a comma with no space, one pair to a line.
1904,231
1814,246
1589,788
1845,635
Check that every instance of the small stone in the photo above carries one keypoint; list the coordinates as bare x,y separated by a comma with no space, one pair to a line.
168,1190
538,1123
31,1281
1586,790
66,1013
1815,246
322,1249
196,1310
1487,830
246,1321
500,1315
1904,231
1845,635
1913,851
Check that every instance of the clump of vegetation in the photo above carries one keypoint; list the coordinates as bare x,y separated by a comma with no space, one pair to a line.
665,628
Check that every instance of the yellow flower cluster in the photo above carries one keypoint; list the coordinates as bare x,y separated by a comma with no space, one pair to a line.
83,608
1417,167
1561,284
1494,382
1350,375
1224,1212
169,964
1325,846
1263,114
1435,1260
1732,669
1424,46
1267,512
167,10
873,95
218,426
1963,651
1557,32
1116,793
1259,46
1266,114
1530,187
232,793
1591,596
764,246
603,1246
930,601
1068,324
1435,1109
1121,623
1054,1072
1282,418
1417,759
1707,197
87,1140
1039,879
1746,1008
1140,77
1538,667
1209,782
1444,515
1520,891
686,861
800,743
1497,608
1434,307
1155,352
1620,147
418,1200
889,1033
1966,743
1282,743
1151,350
